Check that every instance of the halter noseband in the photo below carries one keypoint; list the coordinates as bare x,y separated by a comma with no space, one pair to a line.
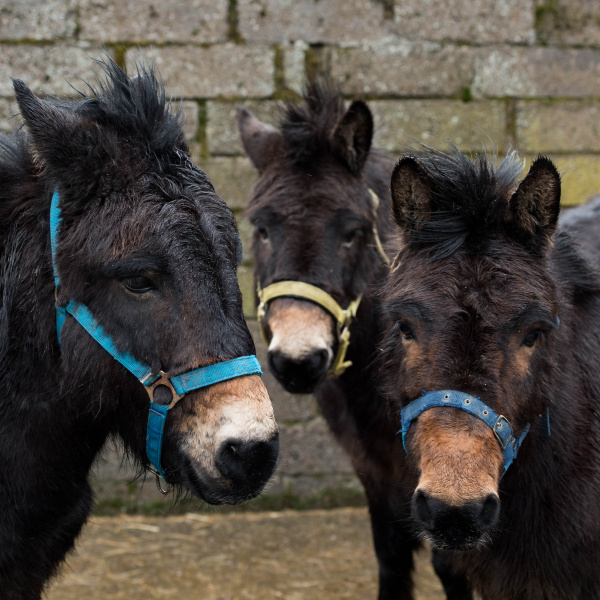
509,443
178,385
306,291
299,289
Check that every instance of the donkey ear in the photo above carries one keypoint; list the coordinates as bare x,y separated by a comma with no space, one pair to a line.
261,141
535,206
63,140
411,194
352,137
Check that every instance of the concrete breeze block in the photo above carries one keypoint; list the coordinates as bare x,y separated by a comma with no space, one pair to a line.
141,21
580,177
227,70
310,448
535,72
333,21
469,125
472,21
554,126
9,115
570,22
404,69
35,20
233,179
50,69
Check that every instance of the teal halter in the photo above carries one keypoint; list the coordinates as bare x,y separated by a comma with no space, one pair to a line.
178,385
508,441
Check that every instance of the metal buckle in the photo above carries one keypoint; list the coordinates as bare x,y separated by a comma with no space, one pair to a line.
163,380
260,310
260,316
497,425
340,364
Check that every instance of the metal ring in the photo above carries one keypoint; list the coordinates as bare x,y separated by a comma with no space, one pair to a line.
486,413
160,487
468,401
446,396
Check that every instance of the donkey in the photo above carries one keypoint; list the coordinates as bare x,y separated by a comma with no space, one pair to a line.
491,353
317,247
145,256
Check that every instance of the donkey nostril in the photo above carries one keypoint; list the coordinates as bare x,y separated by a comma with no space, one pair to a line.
422,511
317,361
277,363
299,375
490,511
248,464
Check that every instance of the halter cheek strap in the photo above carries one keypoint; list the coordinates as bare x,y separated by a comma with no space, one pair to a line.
306,291
178,385
509,443
378,244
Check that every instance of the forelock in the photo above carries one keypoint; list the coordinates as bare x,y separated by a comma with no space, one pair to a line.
468,198
137,108
307,126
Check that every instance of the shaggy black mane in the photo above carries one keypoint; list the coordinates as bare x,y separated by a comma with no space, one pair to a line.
468,196
307,126
138,131
135,106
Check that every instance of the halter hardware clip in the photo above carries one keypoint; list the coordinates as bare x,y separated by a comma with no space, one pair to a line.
163,380
497,425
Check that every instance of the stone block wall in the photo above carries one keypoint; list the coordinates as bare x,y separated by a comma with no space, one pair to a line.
521,74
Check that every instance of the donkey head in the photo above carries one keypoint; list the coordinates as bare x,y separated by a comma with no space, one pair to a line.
471,306
148,246
313,221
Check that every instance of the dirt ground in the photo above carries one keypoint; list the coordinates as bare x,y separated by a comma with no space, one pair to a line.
305,555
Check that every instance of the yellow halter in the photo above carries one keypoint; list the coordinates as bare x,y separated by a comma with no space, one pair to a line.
305,291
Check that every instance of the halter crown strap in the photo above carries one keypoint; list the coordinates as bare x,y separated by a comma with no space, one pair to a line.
499,424
178,385
378,245
55,220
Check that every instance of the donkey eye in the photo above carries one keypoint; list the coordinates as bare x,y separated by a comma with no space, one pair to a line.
138,284
263,234
351,236
530,339
406,331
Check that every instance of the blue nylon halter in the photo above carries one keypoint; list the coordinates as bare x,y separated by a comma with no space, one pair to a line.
179,385
509,443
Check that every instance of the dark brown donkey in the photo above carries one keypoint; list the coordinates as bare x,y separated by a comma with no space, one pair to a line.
316,221
493,348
